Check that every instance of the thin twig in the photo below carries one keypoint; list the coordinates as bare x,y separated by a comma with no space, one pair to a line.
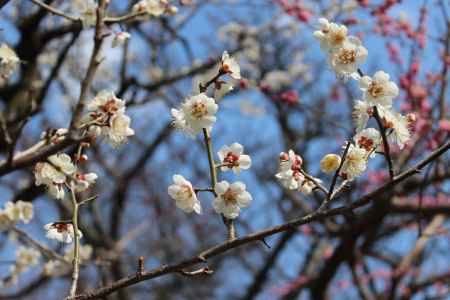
335,177
76,255
92,67
55,11
213,174
387,151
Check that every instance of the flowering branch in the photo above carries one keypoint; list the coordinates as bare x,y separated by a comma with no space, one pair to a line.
258,236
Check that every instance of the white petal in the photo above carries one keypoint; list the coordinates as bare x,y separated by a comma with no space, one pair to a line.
221,187
245,161
244,199
237,148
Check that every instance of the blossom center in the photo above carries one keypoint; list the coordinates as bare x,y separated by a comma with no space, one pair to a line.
365,143
231,160
185,191
110,106
347,56
338,37
61,227
199,110
229,197
375,90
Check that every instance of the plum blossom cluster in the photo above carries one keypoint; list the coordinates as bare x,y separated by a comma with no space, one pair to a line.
26,258
197,114
291,175
199,111
106,117
59,173
15,212
346,54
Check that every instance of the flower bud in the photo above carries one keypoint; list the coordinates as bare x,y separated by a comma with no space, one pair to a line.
330,163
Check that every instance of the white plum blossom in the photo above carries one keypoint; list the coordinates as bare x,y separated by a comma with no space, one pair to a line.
107,102
107,117
9,61
184,195
397,127
62,232
120,38
118,130
378,90
289,173
330,35
346,60
231,158
231,198
53,174
84,181
197,112
230,66
368,139
15,212
355,162
361,114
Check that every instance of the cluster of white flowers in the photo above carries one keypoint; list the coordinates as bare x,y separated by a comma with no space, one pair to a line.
107,117
60,172
345,54
54,268
13,213
291,175
9,61
25,259
155,8
61,231
198,113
